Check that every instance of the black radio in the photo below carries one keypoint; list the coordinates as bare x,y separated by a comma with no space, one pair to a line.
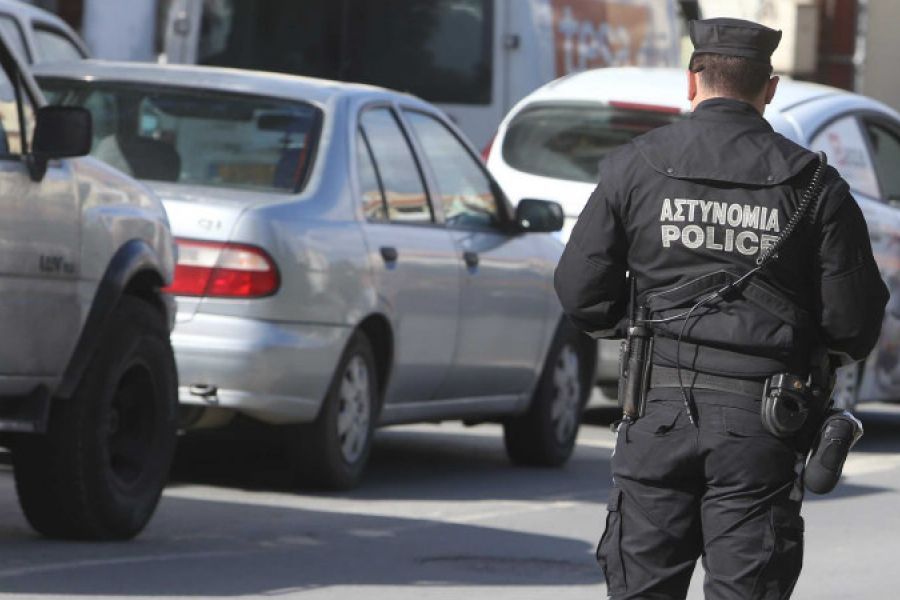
785,404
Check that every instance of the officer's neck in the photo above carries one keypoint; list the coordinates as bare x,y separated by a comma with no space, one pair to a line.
699,92
759,104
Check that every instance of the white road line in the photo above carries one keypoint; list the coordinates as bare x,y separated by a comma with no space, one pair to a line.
866,463
489,433
535,507
481,510
607,444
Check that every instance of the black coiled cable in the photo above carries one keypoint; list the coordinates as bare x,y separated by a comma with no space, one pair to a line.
809,194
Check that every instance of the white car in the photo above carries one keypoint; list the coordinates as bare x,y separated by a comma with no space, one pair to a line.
550,145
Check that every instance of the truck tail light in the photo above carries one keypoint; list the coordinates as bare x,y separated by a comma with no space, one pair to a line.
221,270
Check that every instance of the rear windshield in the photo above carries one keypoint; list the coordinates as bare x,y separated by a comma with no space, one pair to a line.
196,137
569,141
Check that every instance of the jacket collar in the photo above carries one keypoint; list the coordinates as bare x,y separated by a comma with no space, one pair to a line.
724,140
729,109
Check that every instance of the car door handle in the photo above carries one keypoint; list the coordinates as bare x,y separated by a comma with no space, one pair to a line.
389,254
471,259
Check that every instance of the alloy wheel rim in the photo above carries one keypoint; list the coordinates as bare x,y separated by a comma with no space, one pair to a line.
354,409
567,394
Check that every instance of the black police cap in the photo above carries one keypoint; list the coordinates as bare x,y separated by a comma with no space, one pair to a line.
734,37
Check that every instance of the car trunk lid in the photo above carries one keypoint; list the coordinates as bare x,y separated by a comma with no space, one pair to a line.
205,214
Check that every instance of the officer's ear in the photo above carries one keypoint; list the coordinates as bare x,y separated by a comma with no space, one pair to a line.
770,88
692,85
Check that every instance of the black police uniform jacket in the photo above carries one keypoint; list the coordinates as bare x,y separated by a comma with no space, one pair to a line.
686,209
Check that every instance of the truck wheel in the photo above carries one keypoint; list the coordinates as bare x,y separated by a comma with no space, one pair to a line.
99,471
332,451
545,435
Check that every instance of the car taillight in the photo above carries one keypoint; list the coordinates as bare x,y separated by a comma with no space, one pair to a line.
487,148
640,106
220,270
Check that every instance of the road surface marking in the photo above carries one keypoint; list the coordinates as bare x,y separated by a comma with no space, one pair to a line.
866,463
485,432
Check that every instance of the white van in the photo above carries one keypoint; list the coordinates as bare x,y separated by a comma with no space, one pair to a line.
37,35
473,58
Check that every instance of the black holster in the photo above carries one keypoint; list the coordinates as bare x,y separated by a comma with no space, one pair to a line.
634,367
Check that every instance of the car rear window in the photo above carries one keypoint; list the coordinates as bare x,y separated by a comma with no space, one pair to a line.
569,141
196,137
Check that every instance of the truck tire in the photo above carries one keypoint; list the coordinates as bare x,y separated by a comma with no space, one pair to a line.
545,435
332,451
99,471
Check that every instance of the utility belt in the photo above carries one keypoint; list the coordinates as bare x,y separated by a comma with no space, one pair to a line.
786,400
787,404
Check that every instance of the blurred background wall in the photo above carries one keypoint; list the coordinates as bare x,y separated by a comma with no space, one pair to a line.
878,75
852,44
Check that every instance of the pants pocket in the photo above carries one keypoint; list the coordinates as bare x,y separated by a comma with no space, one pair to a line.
609,550
786,559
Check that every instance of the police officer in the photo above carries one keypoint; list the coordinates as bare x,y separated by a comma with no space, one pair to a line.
687,210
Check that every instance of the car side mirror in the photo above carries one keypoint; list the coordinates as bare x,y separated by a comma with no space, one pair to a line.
59,132
535,216
62,131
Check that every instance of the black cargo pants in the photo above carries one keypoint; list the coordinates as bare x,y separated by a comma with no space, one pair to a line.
728,492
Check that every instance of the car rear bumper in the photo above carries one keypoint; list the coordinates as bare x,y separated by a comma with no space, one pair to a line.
275,372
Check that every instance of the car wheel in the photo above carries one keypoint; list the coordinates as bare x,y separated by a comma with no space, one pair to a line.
545,435
99,471
332,451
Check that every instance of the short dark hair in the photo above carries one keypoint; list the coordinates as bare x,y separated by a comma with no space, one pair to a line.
732,76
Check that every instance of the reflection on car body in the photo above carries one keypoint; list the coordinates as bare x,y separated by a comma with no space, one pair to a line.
604,108
345,259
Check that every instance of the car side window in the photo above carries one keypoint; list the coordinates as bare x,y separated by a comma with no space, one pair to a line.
845,146
12,33
885,147
11,119
395,165
371,195
466,193
54,46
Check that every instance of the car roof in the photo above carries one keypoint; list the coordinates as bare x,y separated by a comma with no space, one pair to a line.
260,83
660,87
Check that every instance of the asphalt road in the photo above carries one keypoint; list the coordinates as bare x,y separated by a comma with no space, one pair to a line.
441,514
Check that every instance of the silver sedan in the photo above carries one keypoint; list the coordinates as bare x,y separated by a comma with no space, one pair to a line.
345,260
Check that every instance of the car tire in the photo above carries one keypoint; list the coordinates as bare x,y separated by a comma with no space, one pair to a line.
99,471
545,435
332,451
